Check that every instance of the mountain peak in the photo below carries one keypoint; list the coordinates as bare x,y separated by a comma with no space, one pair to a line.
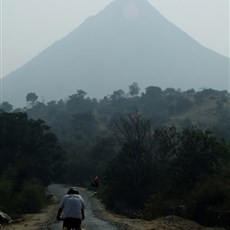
128,41
129,9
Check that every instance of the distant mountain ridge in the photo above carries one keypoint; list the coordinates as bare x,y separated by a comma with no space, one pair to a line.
129,41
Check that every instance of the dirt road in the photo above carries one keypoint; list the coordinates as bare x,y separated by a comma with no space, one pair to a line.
97,217
91,222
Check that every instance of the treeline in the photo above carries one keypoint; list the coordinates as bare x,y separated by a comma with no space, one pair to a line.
168,171
31,158
206,108
160,151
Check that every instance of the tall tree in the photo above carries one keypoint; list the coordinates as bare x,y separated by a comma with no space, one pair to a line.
29,148
133,162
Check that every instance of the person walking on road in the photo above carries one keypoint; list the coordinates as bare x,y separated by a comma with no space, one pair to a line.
71,210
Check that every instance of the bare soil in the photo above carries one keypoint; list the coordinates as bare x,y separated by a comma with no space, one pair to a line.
163,223
38,221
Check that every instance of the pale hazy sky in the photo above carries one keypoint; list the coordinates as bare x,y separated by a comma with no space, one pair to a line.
30,26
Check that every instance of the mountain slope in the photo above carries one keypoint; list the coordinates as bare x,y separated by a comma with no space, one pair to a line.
129,41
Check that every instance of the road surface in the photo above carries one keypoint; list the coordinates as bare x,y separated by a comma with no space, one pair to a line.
91,222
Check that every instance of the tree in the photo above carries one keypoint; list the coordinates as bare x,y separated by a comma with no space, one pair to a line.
31,98
31,158
134,160
81,93
153,91
197,154
6,106
134,89
118,95
84,124
77,103
28,149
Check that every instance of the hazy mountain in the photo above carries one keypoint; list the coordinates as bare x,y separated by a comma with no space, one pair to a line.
129,41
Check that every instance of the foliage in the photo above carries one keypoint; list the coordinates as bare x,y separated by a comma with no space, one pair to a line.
134,158
5,106
159,154
134,89
29,151
30,199
29,148
6,191
198,184
210,197
197,154
31,98
163,165
162,203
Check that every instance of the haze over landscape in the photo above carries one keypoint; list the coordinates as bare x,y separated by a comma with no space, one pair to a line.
129,41
121,100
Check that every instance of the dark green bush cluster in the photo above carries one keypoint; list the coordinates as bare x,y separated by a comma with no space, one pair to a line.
31,158
168,171
210,198
29,198
205,202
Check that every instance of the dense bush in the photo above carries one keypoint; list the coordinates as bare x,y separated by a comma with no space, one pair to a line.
31,157
169,170
210,198
6,191
205,202
30,199
160,168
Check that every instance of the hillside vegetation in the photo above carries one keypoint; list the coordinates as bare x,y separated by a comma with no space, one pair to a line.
169,148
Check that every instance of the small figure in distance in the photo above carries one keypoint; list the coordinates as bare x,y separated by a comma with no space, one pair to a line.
71,210
95,184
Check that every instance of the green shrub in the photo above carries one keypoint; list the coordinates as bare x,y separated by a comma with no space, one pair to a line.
6,191
31,199
210,198
212,192
165,202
